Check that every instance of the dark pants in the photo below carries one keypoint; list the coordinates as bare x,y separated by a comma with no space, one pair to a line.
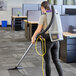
52,50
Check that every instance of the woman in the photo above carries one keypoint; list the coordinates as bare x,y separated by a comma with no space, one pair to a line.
52,48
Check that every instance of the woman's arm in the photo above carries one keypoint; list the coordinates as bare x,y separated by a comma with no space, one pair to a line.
38,30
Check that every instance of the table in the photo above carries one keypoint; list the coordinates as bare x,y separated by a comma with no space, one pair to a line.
68,47
30,23
14,19
69,34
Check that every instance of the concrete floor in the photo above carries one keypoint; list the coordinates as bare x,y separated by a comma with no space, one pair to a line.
13,45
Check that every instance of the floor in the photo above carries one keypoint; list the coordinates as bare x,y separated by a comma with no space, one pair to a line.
13,44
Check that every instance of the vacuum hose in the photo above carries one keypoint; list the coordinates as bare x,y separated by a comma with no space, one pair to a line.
51,21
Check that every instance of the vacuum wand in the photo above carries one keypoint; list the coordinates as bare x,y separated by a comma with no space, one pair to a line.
24,54
16,67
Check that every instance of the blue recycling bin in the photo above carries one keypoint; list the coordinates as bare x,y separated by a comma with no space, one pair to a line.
4,23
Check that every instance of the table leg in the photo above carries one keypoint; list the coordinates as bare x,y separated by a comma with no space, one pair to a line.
13,24
26,30
30,31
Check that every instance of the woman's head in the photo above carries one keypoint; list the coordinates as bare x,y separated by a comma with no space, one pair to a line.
45,6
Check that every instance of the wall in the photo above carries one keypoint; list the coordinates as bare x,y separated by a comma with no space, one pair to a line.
6,15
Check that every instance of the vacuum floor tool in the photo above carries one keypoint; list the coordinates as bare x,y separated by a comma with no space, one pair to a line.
16,67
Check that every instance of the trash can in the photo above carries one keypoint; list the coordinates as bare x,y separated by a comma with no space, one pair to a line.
4,23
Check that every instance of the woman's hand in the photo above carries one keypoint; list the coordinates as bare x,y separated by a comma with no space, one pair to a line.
33,40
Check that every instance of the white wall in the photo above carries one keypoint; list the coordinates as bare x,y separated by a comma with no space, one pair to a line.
6,15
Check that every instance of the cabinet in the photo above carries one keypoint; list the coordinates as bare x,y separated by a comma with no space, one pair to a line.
17,25
17,22
68,48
